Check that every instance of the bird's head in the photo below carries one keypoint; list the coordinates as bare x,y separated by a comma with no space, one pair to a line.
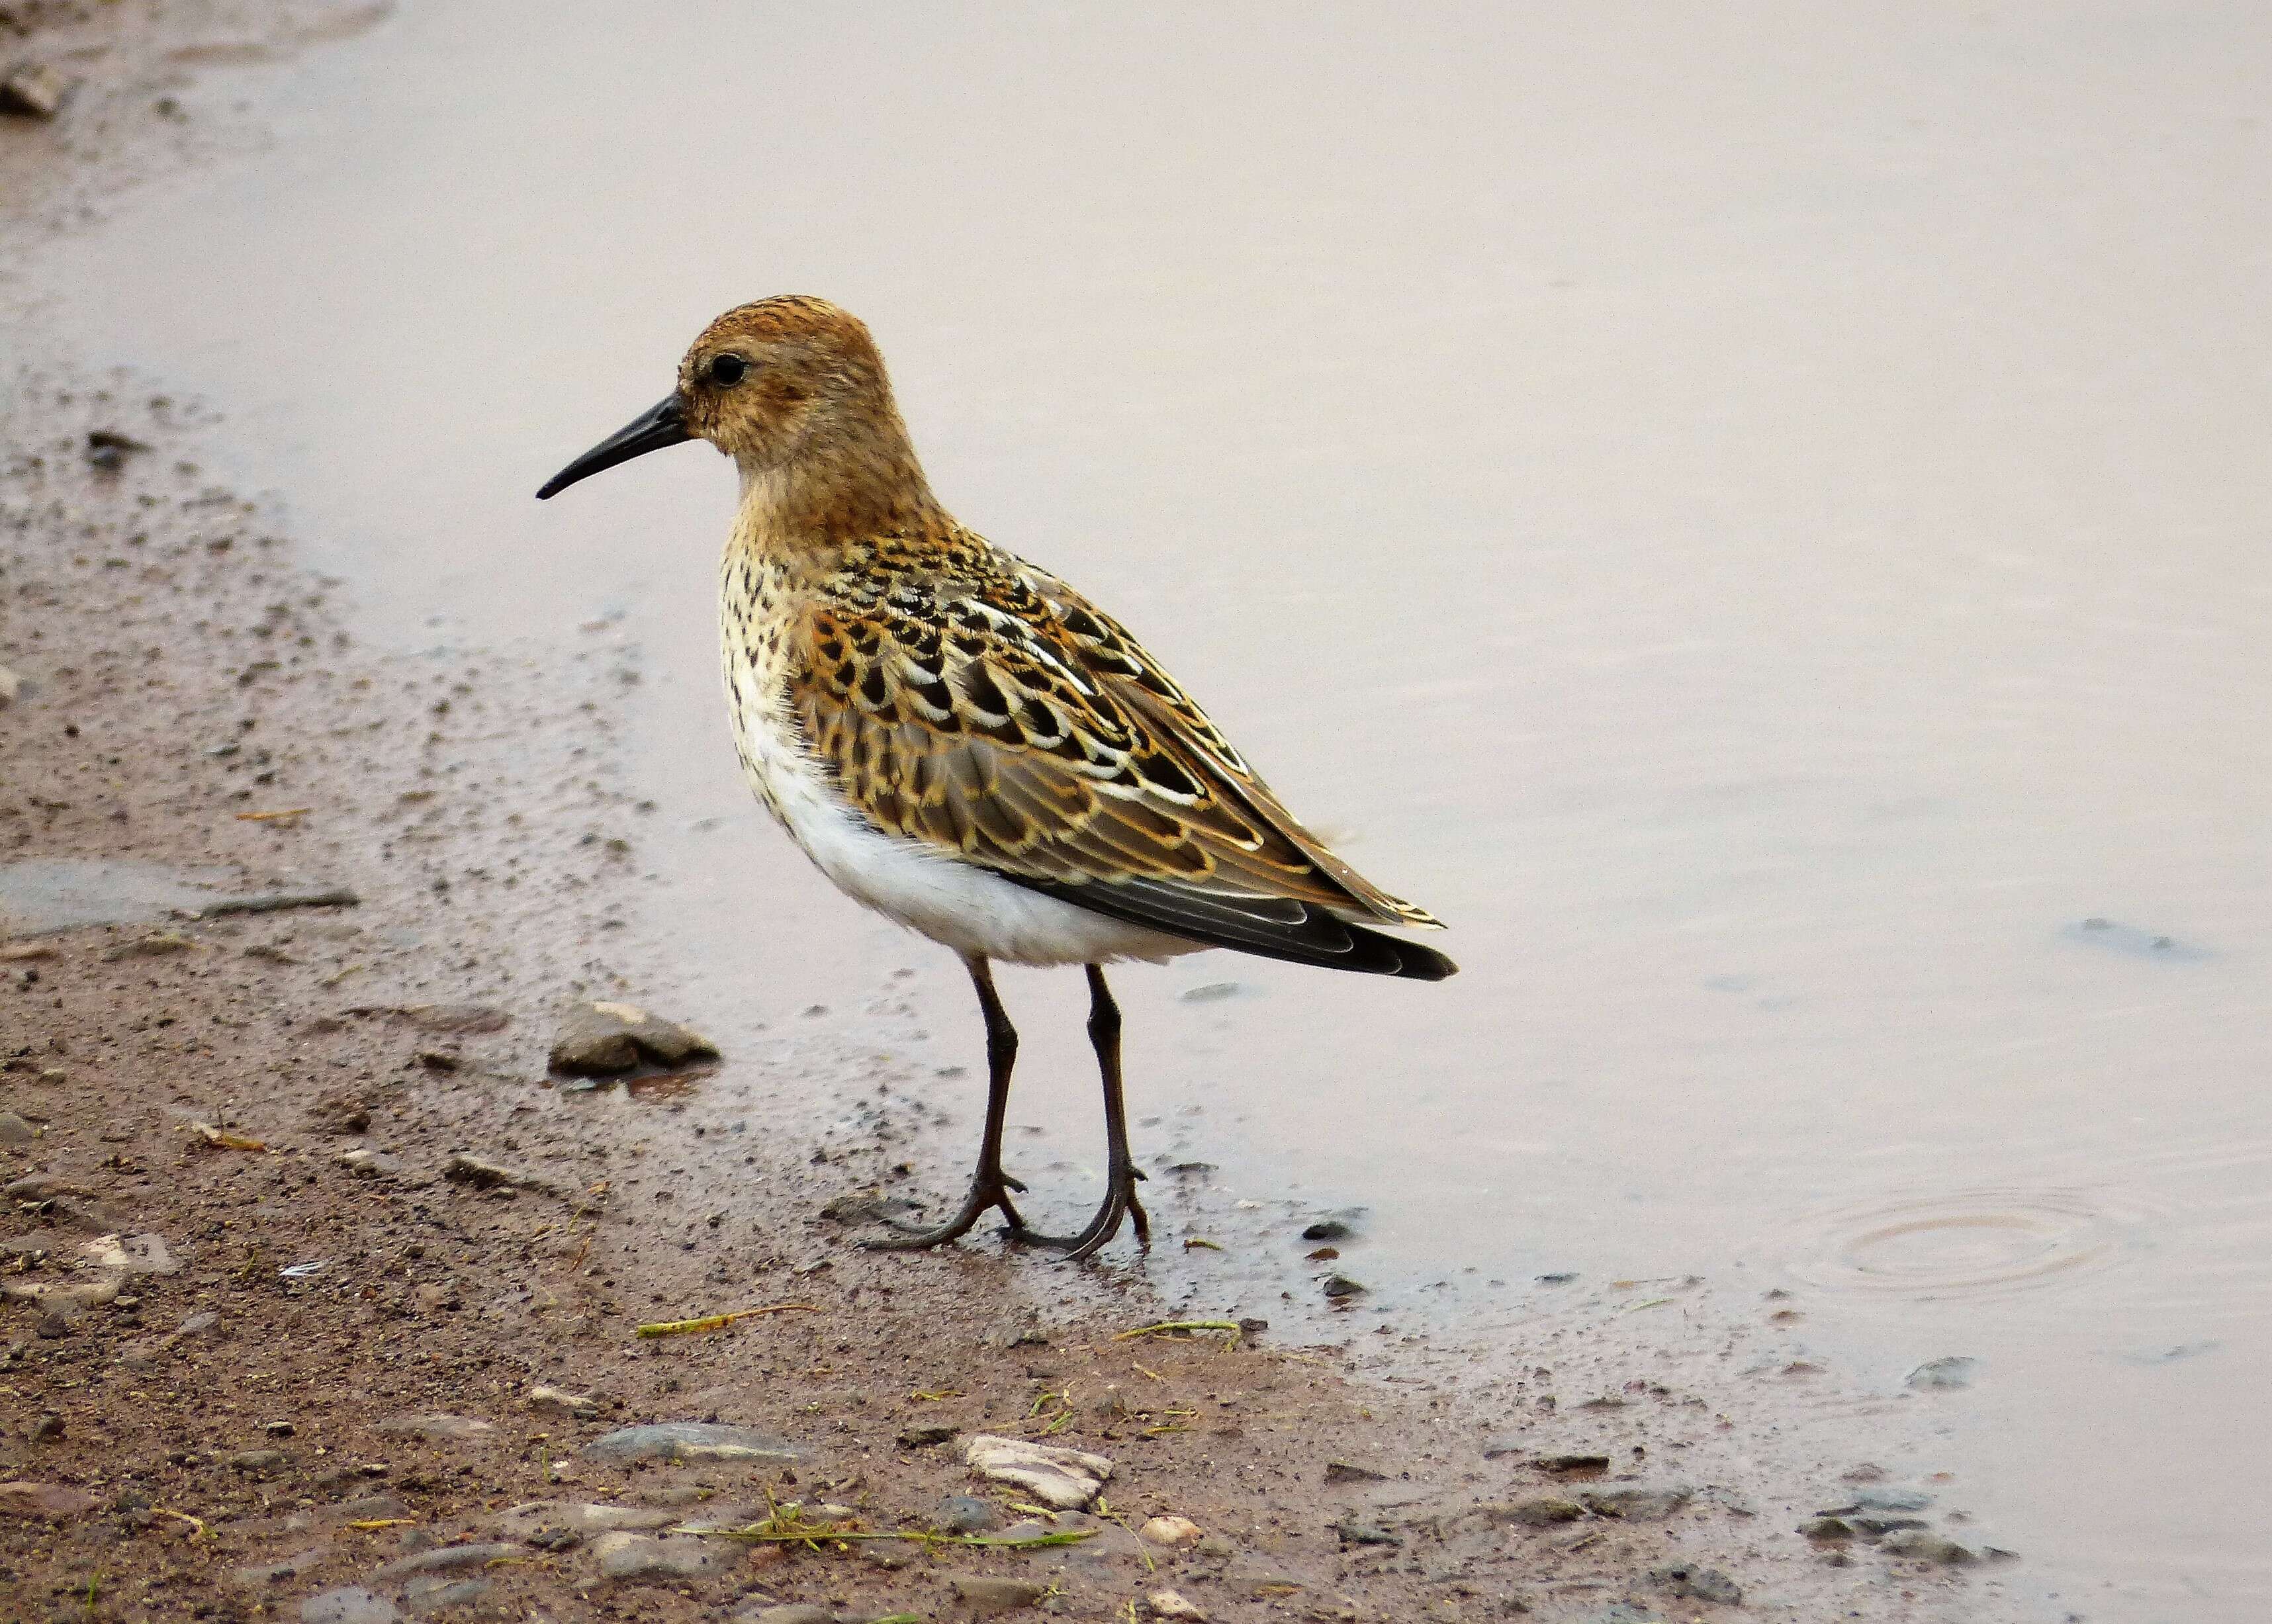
792,389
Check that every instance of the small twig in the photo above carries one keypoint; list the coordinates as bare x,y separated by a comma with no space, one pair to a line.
1167,1327
816,1535
196,1524
369,1524
720,1321
221,1139
276,902
271,817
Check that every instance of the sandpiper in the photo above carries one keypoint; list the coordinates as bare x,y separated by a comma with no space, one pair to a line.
965,743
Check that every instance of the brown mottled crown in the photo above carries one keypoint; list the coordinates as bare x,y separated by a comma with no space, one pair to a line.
805,409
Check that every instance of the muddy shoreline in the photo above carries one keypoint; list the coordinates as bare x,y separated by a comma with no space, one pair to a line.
324,1363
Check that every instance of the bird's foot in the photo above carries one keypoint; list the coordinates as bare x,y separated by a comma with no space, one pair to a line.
1119,1203
989,1190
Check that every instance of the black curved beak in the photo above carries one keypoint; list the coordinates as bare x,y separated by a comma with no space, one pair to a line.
662,424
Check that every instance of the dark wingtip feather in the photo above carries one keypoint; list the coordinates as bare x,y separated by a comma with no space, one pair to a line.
1269,927
1416,962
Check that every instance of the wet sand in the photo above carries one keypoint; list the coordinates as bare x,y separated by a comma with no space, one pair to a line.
185,667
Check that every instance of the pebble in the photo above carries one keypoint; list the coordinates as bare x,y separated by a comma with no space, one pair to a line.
49,1502
1338,1287
681,1441
536,1518
430,1595
925,1437
446,1559
1064,1479
1178,1533
600,1038
794,1613
1572,1465
1922,1544
1889,1500
15,1130
461,1168
260,1575
1704,1583
439,1428
1327,1229
581,1406
1539,1511
1345,1472
350,1604
1171,1604
259,1462
986,1596
368,1163
1636,1502
33,90
1944,1375
625,1555
966,1514
1356,1533
456,1018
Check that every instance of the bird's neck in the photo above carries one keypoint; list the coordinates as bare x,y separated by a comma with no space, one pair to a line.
803,508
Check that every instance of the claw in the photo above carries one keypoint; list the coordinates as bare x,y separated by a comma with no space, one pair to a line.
985,1192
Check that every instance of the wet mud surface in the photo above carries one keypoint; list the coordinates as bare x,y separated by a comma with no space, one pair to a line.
262,1343
324,1295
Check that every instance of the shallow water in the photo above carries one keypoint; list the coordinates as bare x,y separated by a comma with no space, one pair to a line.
1757,517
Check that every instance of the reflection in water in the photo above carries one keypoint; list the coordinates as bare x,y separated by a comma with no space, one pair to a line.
1774,512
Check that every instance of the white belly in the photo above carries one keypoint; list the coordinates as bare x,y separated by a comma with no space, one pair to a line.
954,904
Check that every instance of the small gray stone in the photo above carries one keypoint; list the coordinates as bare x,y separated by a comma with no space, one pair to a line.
439,1428
1944,1375
435,1594
461,1168
1622,1613
260,1575
925,1437
350,1604
986,1597
966,1514
535,1519
446,1558
456,1019
14,1130
1356,1533
1891,1499
682,1441
794,1613
1636,1502
259,1462
1704,1583
623,1555
1924,1546
1538,1511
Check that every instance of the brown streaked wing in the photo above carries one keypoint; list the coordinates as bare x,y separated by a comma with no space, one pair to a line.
972,722
1103,645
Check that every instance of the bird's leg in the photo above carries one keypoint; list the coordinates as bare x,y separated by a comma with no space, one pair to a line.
990,1185
1121,1172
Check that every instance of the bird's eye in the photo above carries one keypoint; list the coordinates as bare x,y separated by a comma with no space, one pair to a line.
727,370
